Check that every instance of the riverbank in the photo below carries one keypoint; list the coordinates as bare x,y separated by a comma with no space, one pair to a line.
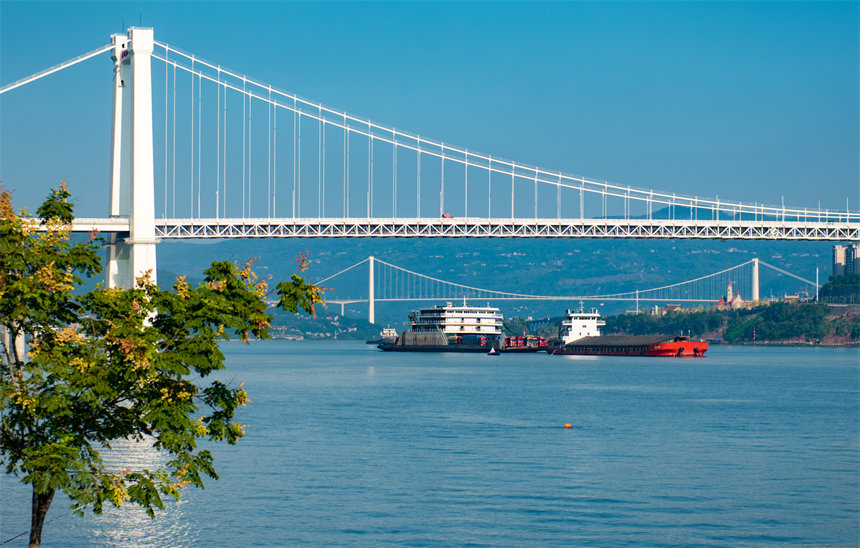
779,324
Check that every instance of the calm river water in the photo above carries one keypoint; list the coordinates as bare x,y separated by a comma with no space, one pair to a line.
347,445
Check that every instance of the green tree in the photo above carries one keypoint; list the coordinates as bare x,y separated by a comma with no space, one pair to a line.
841,289
115,364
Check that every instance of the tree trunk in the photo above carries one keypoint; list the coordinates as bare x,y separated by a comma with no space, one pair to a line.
41,503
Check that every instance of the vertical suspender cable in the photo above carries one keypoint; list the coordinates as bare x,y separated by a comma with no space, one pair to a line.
322,177
371,170
250,148
224,144
319,161
343,173
466,185
199,136
513,176
269,158
275,160
605,190
442,188
244,98
347,133
218,147
367,200
294,158
299,172
418,178
191,155
581,203
173,169
394,172
166,80
489,187
558,198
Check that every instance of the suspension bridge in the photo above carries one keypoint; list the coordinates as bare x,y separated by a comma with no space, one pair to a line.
387,282
201,151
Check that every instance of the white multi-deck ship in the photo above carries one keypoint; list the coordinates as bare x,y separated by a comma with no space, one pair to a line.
465,328
456,321
451,328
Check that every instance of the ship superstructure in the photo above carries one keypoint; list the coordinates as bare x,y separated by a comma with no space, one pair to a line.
580,324
456,321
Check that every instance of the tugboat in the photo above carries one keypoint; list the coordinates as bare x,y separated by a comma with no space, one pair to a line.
579,334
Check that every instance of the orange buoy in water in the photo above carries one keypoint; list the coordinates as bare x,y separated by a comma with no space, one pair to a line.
567,425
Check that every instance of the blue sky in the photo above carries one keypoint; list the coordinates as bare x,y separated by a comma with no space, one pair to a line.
748,101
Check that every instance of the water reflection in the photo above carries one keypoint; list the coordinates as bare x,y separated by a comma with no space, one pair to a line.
130,525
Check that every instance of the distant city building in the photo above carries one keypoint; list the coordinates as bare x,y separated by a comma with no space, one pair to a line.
730,300
838,260
852,259
846,259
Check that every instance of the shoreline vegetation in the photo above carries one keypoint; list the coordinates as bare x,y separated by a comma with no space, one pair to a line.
780,323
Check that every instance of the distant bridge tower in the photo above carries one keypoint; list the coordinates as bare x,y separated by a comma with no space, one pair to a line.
132,191
371,313
755,288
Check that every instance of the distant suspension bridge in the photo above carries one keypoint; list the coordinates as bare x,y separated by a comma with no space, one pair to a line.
387,282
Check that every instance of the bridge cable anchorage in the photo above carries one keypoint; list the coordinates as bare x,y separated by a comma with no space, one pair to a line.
56,68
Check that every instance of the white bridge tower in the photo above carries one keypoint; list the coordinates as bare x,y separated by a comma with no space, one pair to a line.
132,190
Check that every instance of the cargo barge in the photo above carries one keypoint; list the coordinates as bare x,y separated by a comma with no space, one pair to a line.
463,328
579,334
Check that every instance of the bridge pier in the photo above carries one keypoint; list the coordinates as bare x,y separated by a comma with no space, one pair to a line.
132,171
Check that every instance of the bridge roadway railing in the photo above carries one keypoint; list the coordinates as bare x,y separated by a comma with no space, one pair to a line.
485,228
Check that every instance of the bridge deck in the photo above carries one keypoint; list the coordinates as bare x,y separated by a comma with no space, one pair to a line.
485,228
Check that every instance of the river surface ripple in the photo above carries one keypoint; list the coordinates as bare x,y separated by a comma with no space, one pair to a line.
348,446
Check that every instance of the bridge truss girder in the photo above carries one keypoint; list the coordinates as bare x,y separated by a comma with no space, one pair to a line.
504,228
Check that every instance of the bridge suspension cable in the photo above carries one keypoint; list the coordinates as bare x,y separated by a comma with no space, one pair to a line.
55,68
396,140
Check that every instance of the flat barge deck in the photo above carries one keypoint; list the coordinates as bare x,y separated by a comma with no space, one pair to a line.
631,345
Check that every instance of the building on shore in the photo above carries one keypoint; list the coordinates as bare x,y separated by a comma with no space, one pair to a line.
846,259
730,300
838,260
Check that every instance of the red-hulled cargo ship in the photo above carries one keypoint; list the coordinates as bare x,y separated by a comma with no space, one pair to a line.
579,334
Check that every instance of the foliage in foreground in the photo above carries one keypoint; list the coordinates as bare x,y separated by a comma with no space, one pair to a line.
115,364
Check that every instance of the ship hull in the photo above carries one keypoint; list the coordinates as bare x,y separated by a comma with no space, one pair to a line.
674,347
392,347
